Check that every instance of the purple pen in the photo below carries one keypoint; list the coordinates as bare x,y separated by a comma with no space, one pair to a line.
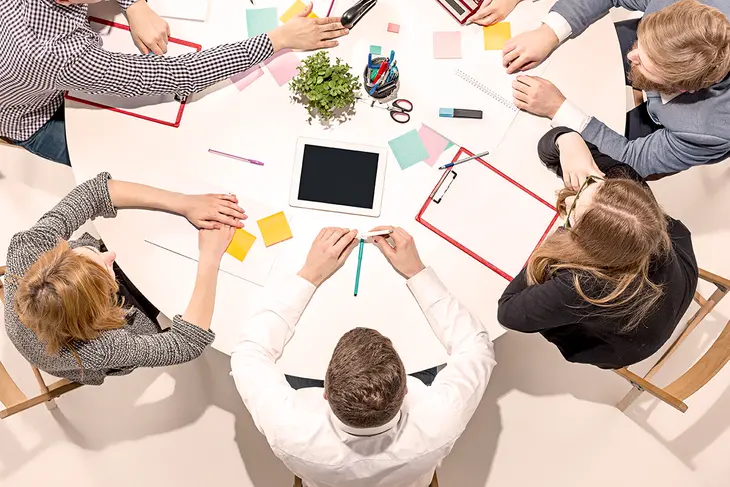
238,158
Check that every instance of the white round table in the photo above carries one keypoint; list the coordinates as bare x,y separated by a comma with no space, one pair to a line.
262,123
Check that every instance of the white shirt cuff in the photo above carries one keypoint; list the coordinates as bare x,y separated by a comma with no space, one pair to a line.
559,25
569,115
426,287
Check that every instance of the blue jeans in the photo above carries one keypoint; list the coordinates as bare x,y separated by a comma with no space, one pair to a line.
49,142
426,376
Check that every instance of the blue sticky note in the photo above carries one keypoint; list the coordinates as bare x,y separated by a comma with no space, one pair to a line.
261,20
376,50
408,149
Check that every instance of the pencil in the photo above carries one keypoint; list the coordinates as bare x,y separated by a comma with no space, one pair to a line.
359,265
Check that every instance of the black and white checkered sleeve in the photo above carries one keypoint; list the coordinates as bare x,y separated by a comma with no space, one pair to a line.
125,4
98,71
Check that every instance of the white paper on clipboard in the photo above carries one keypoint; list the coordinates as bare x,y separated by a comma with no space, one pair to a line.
488,216
180,237
162,109
181,9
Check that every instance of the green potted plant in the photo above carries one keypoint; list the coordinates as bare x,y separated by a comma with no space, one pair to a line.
327,90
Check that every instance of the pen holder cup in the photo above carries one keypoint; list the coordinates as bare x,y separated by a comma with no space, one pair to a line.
384,91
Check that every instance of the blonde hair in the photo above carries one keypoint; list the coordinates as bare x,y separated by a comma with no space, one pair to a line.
65,296
611,246
689,42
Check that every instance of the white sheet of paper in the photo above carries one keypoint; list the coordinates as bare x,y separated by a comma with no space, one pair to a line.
163,108
181,9
491,217
181,237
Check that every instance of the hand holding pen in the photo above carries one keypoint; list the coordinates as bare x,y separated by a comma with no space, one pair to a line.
402,253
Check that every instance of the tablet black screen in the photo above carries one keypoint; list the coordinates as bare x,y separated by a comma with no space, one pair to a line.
338,176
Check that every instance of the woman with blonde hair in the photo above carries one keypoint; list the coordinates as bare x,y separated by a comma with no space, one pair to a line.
70,310
611,285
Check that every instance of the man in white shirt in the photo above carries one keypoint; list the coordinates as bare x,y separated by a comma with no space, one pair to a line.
372,425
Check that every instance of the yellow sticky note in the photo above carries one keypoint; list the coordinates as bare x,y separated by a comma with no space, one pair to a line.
241,244
495,36
274,229
296,7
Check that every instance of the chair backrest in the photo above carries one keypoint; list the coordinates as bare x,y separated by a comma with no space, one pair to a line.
702,371
12,398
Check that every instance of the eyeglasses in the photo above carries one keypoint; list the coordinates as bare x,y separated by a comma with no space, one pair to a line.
589,180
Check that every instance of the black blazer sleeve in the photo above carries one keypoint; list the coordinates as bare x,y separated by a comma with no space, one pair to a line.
540,307
549,153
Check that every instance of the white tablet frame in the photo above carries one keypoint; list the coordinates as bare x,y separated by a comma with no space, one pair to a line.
379,177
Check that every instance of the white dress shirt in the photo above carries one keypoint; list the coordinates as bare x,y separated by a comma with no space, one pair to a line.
305,434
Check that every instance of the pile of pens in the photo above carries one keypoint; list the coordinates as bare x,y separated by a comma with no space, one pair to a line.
381,75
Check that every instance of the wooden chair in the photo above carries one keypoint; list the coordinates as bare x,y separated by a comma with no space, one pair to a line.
13,399
434,482
701,372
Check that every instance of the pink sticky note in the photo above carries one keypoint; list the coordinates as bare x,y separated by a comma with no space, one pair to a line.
243,80
283,66
435,143
447,45
394,28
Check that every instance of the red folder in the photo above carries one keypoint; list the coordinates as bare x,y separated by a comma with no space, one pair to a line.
485,200
173,121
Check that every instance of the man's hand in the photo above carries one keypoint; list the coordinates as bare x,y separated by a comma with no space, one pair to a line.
330,250
576,160
537,96
307,34
527,50
403,254
211,211
149,31
213,243
493,11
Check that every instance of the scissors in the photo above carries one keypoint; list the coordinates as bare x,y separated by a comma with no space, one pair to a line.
399,110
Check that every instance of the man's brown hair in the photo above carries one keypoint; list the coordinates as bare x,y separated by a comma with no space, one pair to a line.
366,380
689,42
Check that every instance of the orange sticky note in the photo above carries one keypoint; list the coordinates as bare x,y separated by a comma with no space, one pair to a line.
495,36
274,229
241,244
296,7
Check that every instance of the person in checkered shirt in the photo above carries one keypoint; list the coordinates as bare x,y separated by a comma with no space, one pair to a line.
47,47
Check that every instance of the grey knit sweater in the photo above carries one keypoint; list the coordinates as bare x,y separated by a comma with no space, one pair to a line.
116,352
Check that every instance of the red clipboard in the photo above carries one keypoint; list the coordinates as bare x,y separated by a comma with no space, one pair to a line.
461,10
172,122
453,219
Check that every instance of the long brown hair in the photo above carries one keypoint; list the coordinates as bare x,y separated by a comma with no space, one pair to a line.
65,296
611,246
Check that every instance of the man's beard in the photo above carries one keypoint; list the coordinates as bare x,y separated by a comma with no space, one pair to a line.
640,82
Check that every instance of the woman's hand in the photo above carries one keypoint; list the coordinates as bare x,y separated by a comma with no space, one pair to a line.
576,160
213,211
213,243
307,34
149,31
493,11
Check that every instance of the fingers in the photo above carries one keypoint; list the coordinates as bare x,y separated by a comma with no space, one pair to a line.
227,197
154,47
382,244
321,235
509,56
518,64
327,233
141,46
530,66
208,225
383,227
307,10
328,20
232,209
345,241
348,250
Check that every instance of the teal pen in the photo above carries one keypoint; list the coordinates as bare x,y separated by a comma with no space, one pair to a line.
359,265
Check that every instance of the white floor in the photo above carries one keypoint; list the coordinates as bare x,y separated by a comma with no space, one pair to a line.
542,421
